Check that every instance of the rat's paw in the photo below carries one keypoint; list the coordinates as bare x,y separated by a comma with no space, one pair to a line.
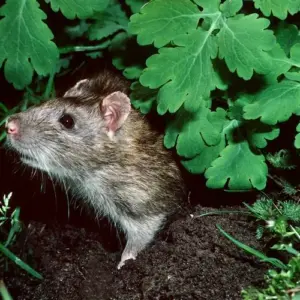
126,256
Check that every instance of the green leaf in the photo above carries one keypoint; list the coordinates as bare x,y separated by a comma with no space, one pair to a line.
142,98
128,55
287,35
255,132
133,72
135,5
275,104
63,63
240,167
191,131
25,42
295,54
185,73
295,76
278,8
297,137
78,8
108,22
231,7
209,5
77,30
102,29
259,134
294,6
235,111
202,161
244,54
161,21
280,64
94,54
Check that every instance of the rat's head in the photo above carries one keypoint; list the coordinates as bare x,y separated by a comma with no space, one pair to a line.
71,133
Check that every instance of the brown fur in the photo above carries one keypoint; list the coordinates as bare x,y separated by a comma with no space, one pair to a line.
131,178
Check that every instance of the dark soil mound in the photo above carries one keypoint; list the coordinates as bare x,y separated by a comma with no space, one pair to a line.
189,260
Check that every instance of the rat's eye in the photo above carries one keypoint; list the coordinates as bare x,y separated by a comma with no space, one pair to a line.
67,121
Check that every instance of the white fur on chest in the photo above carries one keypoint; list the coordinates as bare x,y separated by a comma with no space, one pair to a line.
98,194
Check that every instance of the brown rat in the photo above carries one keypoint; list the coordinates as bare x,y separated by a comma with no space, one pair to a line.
106,152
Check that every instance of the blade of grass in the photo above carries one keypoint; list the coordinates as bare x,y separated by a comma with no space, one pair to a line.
274,261
49,86
19,262
4,292
14,228
220,212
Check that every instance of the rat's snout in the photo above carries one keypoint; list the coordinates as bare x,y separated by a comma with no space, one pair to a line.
12,126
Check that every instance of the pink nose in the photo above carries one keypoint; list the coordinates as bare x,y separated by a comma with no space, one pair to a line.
12,126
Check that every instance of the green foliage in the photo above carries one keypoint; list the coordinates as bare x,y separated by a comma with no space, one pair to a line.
78,8
11,219
186,72
276,103
282,284
278,8
225,74
168,19
281,159
25,39
281,220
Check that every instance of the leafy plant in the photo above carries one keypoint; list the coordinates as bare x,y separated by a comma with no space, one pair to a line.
281,221
14,228
227,142
224,74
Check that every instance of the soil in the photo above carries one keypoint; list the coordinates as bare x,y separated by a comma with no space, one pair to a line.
78,256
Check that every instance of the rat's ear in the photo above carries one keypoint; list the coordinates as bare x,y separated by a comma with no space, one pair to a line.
78,89
115,109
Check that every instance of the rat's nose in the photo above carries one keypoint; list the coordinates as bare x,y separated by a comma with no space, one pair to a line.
12,126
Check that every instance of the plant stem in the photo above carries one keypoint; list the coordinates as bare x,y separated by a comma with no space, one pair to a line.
70,49
49,85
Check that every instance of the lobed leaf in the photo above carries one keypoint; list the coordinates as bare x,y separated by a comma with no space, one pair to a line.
78,8
25,43
287,36
240,167
135,5
191,132
244,54
161,21
209,5
230,7
142,98
77,30
278,8
276,103
191,86
280,64
259,134
203,160
108,22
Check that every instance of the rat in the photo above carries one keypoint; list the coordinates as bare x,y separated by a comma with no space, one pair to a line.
107,153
